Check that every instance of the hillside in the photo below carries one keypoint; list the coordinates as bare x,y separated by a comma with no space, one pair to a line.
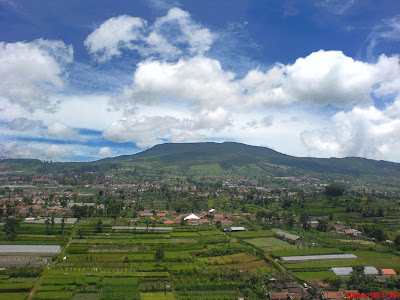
225,159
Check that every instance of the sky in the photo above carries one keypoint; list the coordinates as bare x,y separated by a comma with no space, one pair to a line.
84,80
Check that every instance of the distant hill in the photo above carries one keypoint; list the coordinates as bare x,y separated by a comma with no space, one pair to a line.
220,159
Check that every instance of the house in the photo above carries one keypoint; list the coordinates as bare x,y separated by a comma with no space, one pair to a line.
319,285
313,224
371,271
388,272
226,222
332,296
278,296
342,271
192,219
291,238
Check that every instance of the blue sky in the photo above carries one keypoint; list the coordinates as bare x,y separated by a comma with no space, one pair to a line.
82,80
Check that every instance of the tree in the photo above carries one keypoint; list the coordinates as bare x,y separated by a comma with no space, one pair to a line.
304,222
334,190
219,225
380,212
290,222
335,283
99,227
10,229
63,224
52,223
47,222
159,254
322,225
80,233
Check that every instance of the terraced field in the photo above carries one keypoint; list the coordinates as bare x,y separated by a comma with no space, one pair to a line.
196,261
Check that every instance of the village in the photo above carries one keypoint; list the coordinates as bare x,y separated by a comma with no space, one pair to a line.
281,237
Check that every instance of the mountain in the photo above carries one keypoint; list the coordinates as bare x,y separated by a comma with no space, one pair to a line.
220,159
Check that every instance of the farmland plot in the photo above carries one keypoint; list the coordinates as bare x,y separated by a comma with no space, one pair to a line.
270,244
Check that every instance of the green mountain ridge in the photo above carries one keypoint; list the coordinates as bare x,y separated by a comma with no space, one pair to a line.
228,158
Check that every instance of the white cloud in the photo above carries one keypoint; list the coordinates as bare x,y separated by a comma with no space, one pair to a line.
199,81
187,137
146,132
322,78
105,151
337,7
14,149
32,72
198,38
216,119
56,152
24,124
166,37
388,31
151,130
330,77
366,132
77,111
114,34
59,130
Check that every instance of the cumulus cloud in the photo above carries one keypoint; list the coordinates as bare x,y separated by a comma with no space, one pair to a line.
59,130
199,39
366,132
149,131
166,37
24,124
105,151
14,149
321,78
200,81
32,72
56,152
211,119
114,34
187,137
146,132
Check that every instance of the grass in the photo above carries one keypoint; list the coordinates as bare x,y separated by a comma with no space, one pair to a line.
212,295
210,232
313,251
157,296
54,295
270,243
13,296
15,287
252,234
244,266
315,275
228,259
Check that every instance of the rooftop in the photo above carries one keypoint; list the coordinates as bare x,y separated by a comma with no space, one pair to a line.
304,258
31,249
388,272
